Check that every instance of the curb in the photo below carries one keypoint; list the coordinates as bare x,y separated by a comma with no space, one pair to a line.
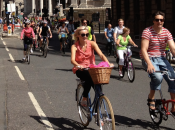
12,36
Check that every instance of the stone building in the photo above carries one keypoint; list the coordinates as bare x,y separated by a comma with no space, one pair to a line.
92,10
138,14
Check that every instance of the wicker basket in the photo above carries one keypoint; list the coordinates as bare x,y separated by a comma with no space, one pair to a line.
100,75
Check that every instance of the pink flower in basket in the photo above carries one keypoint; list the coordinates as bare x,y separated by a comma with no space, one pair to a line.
101,64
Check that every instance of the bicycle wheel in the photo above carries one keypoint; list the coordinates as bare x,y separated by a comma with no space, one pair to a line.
131,71
28,58
45,51
156,115
63,48
82,111
105,114
34,45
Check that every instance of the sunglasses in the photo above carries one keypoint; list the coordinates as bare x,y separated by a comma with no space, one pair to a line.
28,24
84,22
161,20
83,35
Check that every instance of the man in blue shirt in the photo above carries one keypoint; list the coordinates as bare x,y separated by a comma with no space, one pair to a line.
109,36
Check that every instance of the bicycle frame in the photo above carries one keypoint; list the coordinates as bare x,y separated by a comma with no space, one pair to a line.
165,104
92,107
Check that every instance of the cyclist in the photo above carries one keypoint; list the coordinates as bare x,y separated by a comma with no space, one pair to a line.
90,30
82,55
119,29
24,20
109,36
62,29
28,34
44,32
123,41
70,27
154,40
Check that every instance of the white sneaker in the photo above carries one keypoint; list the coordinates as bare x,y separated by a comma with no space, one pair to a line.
23,59
31,51
120,74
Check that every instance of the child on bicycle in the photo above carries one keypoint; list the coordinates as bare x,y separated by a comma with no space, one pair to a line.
82,55
123,40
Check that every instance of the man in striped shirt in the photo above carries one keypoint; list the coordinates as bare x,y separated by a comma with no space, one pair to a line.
153,44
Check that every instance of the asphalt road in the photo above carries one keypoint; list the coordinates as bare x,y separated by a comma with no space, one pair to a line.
41,95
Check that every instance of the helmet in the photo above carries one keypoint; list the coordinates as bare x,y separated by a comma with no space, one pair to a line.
27,21
45,22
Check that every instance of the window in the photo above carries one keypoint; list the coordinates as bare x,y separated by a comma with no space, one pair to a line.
95,17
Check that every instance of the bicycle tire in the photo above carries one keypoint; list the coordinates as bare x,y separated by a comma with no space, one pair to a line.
155,114
131,66
83,114
63,48
28,59
106,120
45,51
34,45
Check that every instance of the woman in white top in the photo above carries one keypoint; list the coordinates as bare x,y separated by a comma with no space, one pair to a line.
119,29
62,29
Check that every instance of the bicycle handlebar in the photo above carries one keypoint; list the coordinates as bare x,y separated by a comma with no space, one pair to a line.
89,68
166,73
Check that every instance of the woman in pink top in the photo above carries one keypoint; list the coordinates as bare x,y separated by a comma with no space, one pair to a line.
27,33
82,55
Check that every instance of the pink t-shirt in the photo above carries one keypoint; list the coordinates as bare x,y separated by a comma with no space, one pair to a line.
27,32
157,42
84,58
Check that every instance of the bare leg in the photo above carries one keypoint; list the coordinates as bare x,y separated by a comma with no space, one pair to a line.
120,67
173,104
151,96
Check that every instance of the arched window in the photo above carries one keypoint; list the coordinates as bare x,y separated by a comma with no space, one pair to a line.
95,17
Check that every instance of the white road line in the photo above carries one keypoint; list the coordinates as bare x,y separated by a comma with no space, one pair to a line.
4,43
6,48
137,59
11,57
43,117
1,38
19,73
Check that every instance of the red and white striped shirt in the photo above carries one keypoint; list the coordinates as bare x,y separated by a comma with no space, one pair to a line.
157,42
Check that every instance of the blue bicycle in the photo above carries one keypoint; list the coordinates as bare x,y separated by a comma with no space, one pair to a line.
100,108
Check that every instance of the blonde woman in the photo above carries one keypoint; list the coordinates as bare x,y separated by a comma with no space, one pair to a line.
82,55
122,42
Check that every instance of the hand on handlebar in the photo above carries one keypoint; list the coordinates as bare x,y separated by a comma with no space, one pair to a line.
135,45
111,64
119,45
150,69
50,36
80,67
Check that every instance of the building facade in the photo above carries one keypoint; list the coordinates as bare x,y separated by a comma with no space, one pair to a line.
137,14
94,11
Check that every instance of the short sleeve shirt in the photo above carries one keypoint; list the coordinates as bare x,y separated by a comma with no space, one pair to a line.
157,42
122,42
109,32
118,31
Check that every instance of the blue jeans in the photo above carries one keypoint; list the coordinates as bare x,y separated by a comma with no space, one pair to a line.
160,64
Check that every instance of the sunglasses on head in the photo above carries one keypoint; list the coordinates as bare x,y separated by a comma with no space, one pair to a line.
161,20
83,35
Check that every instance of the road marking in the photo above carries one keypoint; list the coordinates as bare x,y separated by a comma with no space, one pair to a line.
1,38
43,117
11,57
4,43
6,48
137,59
19,73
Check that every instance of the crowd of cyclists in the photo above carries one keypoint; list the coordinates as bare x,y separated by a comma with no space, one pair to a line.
82,51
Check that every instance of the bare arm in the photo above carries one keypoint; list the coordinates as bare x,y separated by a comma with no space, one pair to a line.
114,35
97,49
58,31
131,41
73,55
106,35
67,31
40,32
50,33
172,46
144,48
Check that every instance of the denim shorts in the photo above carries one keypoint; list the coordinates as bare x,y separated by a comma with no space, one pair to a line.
160,64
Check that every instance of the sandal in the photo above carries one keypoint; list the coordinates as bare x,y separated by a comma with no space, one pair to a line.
151,104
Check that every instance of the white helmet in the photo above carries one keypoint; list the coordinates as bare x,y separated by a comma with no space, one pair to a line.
27,21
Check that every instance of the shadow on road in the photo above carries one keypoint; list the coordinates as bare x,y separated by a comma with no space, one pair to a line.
64,70
62,123
128,122
120,79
